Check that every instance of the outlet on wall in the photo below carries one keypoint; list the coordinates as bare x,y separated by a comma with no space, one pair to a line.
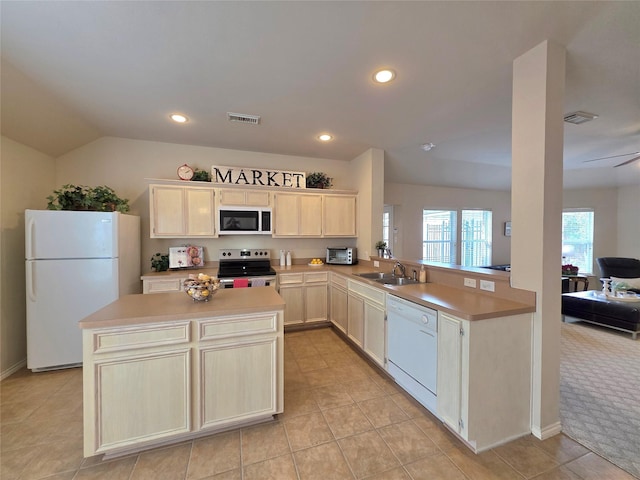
470,282
376,263
487,285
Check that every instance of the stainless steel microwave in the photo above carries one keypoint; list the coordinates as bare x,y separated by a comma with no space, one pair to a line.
342,256
244,221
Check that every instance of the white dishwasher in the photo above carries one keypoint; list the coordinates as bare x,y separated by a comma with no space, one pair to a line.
412,348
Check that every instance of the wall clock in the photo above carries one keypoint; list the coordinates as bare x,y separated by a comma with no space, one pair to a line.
185,172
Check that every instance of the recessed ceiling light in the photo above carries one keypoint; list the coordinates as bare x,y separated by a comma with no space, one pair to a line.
325,137
427,146
384,76
176,117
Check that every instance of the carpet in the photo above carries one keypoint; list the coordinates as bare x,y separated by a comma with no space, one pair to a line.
600,392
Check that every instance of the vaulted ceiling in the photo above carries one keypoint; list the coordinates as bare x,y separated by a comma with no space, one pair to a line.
75,71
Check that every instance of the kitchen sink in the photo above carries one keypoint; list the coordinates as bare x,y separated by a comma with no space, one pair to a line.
397,281
375,275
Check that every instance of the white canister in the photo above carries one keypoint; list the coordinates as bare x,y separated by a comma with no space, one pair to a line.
288,259
282,260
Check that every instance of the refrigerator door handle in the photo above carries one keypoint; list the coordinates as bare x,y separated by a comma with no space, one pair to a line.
29,238
31,292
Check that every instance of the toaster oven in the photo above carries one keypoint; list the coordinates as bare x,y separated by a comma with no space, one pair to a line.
342,256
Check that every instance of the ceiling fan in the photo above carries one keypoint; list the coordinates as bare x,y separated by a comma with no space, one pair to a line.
636,157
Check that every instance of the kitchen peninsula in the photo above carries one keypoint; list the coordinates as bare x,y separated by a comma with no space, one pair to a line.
161,368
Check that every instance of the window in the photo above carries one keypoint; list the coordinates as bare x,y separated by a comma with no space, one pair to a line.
441,237
476,238
386,220
577,239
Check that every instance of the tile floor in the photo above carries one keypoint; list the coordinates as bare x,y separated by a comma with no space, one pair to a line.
343,419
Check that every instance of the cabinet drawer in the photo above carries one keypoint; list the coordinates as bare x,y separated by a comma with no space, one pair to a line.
316,277
140,337
162,286
233,326
373,294
290,278
339,280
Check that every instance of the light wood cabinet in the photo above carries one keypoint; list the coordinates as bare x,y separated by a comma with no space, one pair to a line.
154,383
339,216
181,212
162,285
484,366
257,198
305,295
297,215
367,320
339,313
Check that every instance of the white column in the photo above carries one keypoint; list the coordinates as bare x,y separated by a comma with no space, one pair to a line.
536,209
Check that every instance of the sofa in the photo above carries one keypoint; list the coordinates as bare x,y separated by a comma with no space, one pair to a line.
594,307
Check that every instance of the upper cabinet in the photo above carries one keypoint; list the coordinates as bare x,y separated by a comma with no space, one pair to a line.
181,212
257,198
314,215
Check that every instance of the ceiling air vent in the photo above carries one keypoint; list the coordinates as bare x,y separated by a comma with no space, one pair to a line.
242,118
579,117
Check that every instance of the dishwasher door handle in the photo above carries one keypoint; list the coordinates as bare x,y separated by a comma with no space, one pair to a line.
427,333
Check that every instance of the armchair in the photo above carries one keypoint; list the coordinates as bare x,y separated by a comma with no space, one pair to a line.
619,267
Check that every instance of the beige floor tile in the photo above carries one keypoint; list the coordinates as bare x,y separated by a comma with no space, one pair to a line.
361,390
113,470
324,462
320,378
367,454
433,428
409,405
382,411
263,442
15,411
70,475
304,350
593,467
60,404
398,473
338,359
307,431
562,448
330,347
525,457
346,421
13,462
407,441
435,467
307,364
57,457
332,396
298,402
164,463
230,475
213,455
295,381
278,468
560,473
483,466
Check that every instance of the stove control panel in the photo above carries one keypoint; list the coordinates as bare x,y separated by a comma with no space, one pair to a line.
243,254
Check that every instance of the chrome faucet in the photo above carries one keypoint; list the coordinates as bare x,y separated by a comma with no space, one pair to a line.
402,269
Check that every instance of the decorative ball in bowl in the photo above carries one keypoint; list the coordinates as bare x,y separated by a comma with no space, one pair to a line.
201,288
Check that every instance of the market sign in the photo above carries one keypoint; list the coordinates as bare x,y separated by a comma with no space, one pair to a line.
257,177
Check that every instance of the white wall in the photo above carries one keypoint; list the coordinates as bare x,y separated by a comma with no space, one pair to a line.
124,164
629,221
410,200
26,178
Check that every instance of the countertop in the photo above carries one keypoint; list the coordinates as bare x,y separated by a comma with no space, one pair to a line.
160,307
465,304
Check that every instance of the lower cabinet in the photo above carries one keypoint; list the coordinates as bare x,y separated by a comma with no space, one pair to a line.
150,384
338,298
305,295
366,324
484,378
162,285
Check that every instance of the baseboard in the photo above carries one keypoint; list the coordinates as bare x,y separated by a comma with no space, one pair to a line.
11,370
548,431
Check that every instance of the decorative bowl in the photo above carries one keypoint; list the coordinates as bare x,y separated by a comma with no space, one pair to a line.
201,289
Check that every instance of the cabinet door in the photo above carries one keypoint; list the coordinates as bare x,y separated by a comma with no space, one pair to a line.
166,206
310,215
199,212
316,303
142,398
374,332
449,382
162,286
355,323
294,299
231,197
339,216
286,213
257,198
339,312
238,382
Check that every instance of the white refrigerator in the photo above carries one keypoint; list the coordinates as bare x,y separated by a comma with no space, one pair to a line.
76,263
